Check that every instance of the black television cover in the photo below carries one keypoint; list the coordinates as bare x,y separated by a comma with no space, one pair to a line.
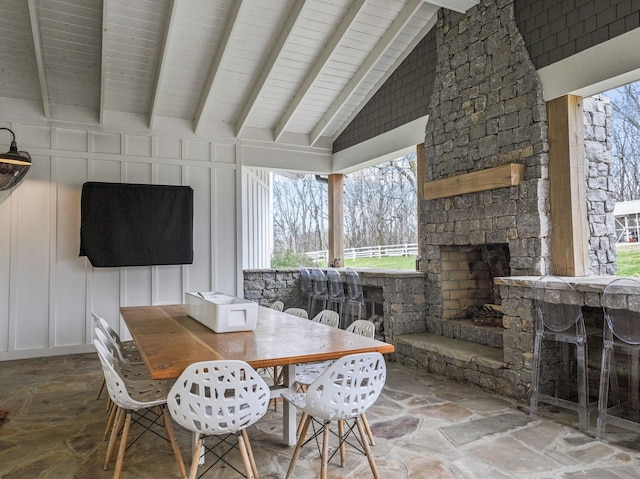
124,224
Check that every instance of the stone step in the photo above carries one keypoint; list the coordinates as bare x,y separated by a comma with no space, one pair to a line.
425,348
467,331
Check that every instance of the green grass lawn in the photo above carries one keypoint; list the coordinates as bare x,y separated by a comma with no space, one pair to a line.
628,261
390,262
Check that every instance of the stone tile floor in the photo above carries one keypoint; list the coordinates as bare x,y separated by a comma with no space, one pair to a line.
426,426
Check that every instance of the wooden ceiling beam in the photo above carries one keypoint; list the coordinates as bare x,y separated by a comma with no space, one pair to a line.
223,51
374,57
37,46
275,54
318,66
155,100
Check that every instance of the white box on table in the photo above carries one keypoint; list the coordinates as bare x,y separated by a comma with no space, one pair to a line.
222,313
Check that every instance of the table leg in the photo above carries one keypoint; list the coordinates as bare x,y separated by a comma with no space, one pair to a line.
288,409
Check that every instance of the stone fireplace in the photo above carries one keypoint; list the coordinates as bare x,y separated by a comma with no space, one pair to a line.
487,111
468,289
485,207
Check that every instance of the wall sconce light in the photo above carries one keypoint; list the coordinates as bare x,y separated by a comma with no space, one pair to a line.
14,164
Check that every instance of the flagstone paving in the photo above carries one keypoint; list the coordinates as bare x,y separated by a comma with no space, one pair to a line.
425,426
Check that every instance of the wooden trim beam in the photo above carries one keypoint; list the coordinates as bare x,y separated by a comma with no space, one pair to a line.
336,220
499,177
567,187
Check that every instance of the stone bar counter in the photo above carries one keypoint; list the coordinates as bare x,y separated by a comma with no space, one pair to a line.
395,298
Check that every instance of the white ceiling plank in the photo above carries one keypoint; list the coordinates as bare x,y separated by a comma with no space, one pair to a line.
396,27
295,70
460,6
269,67
37,46
223,51
155,102
318,66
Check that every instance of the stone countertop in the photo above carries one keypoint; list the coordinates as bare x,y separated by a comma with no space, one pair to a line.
368,272
581,283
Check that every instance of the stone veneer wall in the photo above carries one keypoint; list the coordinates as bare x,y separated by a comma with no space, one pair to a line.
486,110
600,194
402,294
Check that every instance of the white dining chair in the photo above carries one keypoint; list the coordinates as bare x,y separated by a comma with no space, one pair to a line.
219,398
144,399
306,374
328,317
277,305
301,313
343,392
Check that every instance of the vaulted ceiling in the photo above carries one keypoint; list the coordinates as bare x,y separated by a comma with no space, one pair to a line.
281,66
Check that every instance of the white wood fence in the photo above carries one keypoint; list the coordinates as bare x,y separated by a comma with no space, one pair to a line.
407,249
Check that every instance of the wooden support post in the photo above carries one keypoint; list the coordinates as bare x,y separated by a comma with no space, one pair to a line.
567,185
336,220
421,175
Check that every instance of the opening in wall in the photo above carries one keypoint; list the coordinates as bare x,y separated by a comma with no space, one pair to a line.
468,290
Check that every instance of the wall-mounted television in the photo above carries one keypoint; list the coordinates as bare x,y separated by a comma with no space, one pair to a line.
125,224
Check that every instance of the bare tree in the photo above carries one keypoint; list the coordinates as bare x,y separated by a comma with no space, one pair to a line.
379,208
626,141
300,214
380,204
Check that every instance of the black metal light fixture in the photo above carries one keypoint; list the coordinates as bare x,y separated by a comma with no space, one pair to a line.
14,164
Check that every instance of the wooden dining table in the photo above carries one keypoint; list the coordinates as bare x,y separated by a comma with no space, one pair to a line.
169,340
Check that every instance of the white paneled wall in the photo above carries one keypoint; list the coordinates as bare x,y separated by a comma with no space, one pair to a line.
47,291
257,218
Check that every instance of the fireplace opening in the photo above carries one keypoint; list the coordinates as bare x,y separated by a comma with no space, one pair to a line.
468,289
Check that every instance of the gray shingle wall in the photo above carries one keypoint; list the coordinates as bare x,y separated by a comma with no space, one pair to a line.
402,98
554,30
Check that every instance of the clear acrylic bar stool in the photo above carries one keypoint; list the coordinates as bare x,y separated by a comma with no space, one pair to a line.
621,306
559,318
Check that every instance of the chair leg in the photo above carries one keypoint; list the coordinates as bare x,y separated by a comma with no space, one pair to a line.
115,429
325,451
367,449
168,427
583,387
123,446
252,460
634,400
535,375
245,457
603,393
110,420
343,448
365,423
298,448
101,388
195,458
303,418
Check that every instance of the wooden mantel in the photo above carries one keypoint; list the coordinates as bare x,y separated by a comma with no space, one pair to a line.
499,177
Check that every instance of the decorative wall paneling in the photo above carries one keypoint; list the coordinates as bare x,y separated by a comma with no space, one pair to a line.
47,291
